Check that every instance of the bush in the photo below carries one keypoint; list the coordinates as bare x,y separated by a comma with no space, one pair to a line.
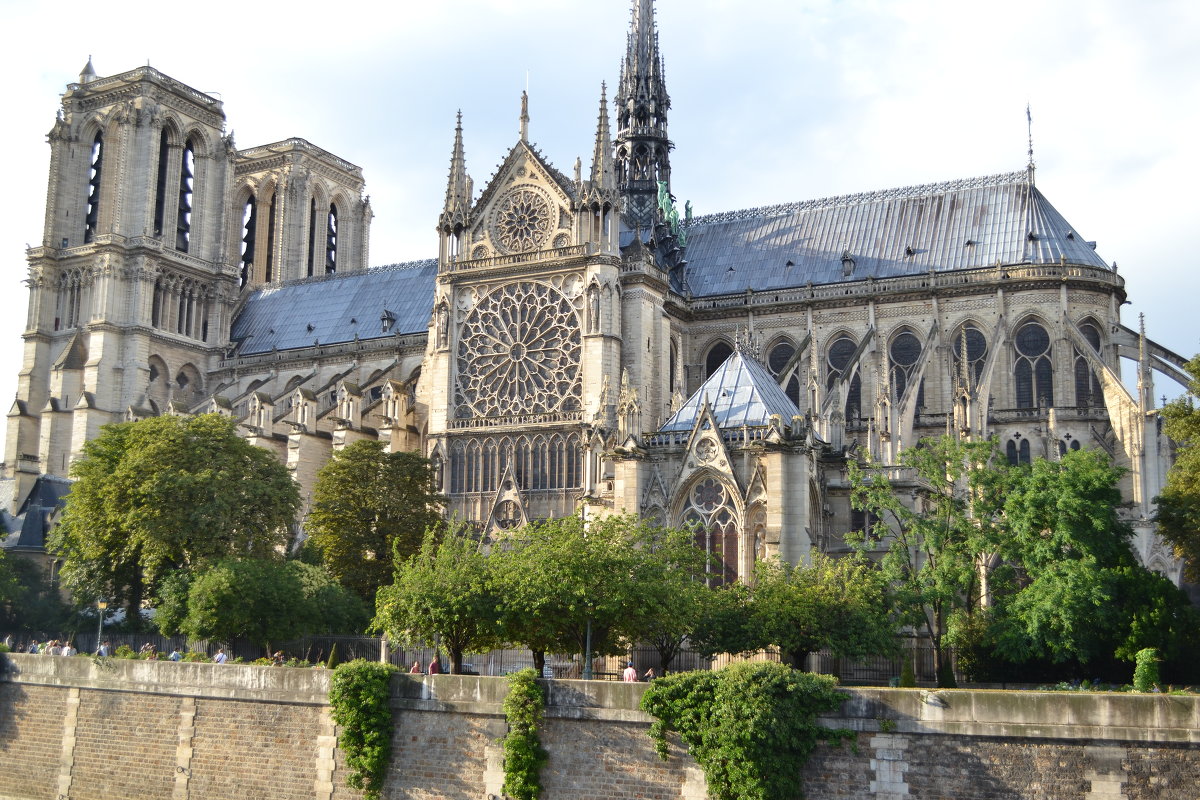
360,694
1145,674
524,755
195,656
125,651
750,726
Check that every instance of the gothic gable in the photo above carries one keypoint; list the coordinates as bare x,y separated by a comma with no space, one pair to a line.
526,207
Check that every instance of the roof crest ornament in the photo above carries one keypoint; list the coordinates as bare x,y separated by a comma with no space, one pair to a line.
1030,168
899,193
748,343
525,116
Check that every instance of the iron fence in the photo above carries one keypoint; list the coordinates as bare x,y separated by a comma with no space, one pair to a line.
870,671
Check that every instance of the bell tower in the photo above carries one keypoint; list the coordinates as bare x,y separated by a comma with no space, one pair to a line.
131,291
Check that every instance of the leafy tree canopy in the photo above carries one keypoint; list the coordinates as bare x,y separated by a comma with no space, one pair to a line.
164,494
368,505
261,600
839,604
444,593
1179,503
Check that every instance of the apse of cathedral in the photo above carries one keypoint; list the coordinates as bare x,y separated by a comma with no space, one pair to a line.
581,343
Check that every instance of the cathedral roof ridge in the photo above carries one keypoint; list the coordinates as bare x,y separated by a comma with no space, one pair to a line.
99,84
423,263
857,198
298,143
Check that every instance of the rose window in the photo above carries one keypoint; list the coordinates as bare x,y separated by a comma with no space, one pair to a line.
518,353
524,221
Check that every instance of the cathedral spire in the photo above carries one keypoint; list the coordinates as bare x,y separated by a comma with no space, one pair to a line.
642,103
458,193
525,117
603,176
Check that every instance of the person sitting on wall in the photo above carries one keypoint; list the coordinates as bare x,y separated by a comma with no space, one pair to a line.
220,657
630,674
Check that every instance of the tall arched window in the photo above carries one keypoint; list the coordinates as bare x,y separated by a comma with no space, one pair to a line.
903,355
838,357
249,226
160,183
1087,386
710,511
270,270
95,170
778,357
331,241
970,340
312,237
716,357
1033,371
187,177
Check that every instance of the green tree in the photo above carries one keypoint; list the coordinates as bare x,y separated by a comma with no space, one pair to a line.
442,592
9,586
164,494
937,550
368,505
267,600
1179,503
727,622
1081,594
560,579
838,604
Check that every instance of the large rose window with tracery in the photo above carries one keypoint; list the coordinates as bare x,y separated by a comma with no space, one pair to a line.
518,353
523,221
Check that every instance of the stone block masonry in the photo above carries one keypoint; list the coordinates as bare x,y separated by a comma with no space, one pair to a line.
77,728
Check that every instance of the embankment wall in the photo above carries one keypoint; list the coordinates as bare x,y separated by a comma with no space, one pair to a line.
79,728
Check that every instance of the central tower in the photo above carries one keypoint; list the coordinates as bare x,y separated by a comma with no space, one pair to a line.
643,149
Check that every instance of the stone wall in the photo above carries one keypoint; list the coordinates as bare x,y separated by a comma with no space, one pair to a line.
76,728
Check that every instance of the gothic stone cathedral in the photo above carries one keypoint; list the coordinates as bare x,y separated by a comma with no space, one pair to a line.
578,343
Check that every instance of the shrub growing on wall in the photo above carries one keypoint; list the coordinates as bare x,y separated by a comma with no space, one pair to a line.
750,726
360,694
523,753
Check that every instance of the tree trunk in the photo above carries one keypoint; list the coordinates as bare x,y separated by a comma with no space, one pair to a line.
539,662
456,655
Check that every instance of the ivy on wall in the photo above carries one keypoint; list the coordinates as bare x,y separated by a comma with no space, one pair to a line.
524,756
360,693
750,726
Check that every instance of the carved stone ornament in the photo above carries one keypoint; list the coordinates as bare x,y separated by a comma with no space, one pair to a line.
523,221
518,353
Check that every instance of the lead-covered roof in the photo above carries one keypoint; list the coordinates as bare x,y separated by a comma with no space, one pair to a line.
965,224
337,308
740,392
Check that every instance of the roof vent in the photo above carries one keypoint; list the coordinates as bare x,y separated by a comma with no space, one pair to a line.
310,327
790,263
909,252
1031,236
1071,235
354,320
968,242
847,263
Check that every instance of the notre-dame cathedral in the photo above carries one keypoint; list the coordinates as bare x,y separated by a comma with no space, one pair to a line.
580,343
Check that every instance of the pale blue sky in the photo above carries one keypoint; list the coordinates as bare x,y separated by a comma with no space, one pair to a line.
772,101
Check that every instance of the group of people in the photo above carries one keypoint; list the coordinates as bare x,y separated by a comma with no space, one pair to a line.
435,667
630,674
50,647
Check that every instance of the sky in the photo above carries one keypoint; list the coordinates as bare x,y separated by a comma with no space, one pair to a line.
771,101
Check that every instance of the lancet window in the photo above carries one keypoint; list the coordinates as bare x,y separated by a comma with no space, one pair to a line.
778,357
1087,386
711,514
312,237
717,356
971,340
270,259
95,173
539,462
838,358
904,355
249,232
160,183
331,240
187,177
1033,371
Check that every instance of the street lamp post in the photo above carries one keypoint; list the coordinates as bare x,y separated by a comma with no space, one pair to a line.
587,646
101,605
